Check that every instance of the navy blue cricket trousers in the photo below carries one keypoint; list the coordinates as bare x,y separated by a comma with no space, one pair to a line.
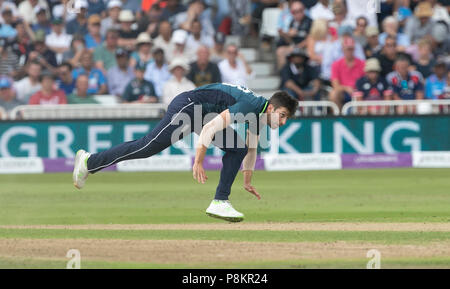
161,137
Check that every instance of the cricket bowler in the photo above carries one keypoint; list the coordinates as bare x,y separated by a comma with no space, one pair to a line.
226,102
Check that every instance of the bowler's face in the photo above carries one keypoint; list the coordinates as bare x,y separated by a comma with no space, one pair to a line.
277,117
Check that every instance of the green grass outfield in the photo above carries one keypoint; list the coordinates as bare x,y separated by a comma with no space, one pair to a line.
385,196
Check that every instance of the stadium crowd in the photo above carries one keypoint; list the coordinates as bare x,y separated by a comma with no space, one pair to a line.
67,51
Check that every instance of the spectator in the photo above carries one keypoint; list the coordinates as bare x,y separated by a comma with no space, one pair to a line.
425,61
132,5
157,72
360,31
440,12
97,81
119,76
96,7
203,71
240,17
321,11
421,24
298,32
27,10
373,45
139,90
372,86
234,69
79,24
30,84
9,62
48,94
358,8
42,21
8,100
406,84
197,39
178,83
218,52
58,41
65,81
196,11
341,17
440,41
77,47
436,83
6,28
41,53
387,56
285,18
173,7
104,55
127,33
11,6
390,27
112,21
335,51
344,74
93,39
80,94
318,41
149,22
298,78
144,50
23,41
163,40
180,49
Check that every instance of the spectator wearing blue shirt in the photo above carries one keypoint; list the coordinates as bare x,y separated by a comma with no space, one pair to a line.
79,24
120,75
436,83
96,7
43,22
390,27
97,80
65,80
6,28
93,38
157,71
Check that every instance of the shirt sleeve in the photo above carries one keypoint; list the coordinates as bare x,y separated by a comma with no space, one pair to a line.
334,71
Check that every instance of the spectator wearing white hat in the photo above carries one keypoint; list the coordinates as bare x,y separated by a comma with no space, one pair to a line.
180,49
178,83
11,6
79,24
143,53
27,10
112,21
127,35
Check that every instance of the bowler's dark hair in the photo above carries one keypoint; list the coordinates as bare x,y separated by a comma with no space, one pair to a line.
284,99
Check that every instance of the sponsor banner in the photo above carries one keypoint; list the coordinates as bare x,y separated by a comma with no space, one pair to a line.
293,162
21,165
356,161
215,163
340,135
65,165
431,159
157,163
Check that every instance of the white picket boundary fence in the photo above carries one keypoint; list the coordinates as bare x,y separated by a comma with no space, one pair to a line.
391,107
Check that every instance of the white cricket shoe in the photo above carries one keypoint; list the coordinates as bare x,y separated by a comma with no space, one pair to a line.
223,210
80,170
